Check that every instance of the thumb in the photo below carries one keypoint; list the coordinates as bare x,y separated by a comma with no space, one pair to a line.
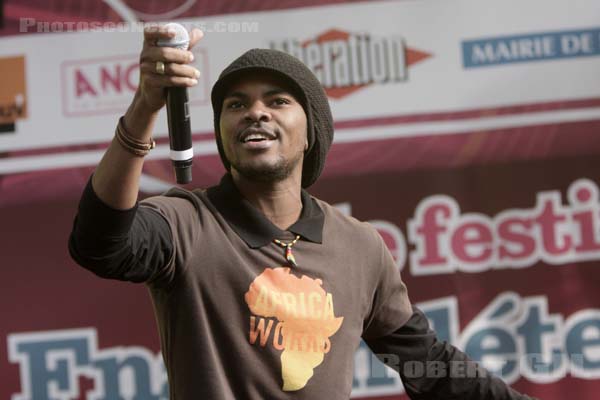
195,36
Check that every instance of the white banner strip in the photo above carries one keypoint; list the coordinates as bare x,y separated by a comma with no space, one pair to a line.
209,147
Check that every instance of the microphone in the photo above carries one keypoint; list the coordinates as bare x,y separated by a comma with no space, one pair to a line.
178,113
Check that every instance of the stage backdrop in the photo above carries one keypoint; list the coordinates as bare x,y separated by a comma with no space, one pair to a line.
466,131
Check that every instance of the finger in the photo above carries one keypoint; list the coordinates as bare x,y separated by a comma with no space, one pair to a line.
171,69
154,32
195,36
166,54
163,81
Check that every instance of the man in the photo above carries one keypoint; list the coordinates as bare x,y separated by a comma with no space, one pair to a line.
260,290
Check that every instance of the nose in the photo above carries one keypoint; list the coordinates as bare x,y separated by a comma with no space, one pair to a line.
257,112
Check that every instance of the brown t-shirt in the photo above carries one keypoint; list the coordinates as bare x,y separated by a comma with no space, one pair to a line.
239,321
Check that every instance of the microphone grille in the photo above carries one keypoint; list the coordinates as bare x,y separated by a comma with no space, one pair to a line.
181,40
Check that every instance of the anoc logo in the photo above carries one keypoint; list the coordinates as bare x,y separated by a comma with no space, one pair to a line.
107,85
346,62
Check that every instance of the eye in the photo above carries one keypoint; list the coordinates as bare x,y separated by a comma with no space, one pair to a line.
234,104
280,101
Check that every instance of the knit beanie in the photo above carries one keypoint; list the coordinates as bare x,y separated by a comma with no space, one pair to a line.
303,83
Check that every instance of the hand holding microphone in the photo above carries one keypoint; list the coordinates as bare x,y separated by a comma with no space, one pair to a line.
164,78
178,113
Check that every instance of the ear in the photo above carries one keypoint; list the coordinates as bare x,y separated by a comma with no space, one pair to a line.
305,143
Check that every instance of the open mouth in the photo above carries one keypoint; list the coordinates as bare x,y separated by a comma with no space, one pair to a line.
253,135
255,138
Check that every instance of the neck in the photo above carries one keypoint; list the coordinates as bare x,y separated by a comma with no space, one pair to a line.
279,201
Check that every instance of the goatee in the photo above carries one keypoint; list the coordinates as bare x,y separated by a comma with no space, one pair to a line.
269,173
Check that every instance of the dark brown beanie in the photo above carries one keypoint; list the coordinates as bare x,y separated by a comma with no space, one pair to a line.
303,83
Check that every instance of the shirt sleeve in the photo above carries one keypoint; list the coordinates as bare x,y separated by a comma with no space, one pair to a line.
181,211
426,364
390,306
131,245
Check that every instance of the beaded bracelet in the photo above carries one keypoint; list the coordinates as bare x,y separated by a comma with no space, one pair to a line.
131,144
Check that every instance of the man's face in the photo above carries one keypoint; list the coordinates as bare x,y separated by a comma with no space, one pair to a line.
263,129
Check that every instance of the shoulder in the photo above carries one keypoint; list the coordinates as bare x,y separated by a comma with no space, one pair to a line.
178,203
339,224
187,215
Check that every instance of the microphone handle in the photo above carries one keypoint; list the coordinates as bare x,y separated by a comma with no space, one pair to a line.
180,133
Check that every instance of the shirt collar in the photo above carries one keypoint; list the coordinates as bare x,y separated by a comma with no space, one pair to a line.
252,226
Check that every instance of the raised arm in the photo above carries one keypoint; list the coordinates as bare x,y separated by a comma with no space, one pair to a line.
112,236
116,179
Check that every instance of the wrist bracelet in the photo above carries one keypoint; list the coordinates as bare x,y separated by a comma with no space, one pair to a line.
130,143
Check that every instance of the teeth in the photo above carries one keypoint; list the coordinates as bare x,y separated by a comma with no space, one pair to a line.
255,136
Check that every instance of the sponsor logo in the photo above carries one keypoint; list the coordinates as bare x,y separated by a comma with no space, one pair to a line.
346,62
13,96
107,85
531,47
